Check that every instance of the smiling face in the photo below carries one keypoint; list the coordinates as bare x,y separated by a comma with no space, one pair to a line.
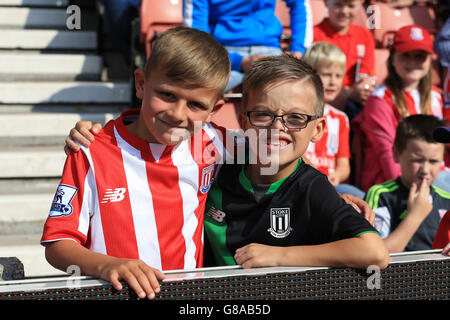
411,66
420,160
170,109
341,13
283,146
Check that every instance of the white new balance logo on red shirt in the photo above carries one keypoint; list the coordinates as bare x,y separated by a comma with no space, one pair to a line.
118,194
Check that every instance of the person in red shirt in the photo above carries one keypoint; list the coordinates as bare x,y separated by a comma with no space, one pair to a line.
407,90
331,154
131,205
442,237
358,45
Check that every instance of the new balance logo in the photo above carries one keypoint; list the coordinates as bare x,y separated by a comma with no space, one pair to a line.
216,214
114,195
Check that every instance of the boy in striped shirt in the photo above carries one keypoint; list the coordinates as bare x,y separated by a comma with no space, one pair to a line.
132,203
408,210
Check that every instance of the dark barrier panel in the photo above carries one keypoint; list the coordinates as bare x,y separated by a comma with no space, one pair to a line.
418,275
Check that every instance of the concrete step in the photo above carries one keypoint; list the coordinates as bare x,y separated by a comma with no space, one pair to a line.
24,204
64,92
32,162
35,3
48,39
21,18
29,251
49,67
37,127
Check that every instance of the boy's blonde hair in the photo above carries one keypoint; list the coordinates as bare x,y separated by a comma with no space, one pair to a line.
192,57
323,54
283,68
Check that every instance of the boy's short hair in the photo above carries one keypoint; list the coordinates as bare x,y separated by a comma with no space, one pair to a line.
324,54
276,69
419,126
192,57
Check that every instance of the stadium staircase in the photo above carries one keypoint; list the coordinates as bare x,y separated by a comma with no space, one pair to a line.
52,74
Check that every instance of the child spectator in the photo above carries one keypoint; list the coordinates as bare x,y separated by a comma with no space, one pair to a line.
358,45
291,215
442,238
132,203
330,155
249,29
407,90
289,200
408,209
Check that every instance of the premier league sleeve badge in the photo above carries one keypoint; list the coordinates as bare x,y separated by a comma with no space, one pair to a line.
61,205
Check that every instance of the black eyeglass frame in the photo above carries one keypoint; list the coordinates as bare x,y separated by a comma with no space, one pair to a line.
309,118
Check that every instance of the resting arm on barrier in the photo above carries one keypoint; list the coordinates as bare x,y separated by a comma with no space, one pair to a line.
358,252
139,276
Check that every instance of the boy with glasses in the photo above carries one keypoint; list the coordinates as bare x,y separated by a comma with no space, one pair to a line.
292,215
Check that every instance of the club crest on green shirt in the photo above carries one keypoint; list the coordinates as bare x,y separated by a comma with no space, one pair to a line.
280,222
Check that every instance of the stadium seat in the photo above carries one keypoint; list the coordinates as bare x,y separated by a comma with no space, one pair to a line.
319,10
381,58
388,20
227,116
158,16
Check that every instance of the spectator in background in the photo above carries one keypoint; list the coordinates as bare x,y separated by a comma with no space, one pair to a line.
249,30
358,45
442,48
330,155
408,209
407,90
442,238
118,17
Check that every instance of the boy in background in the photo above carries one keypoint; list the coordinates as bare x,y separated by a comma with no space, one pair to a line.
408,210
132,203
442,238
291,215
358,45
330,155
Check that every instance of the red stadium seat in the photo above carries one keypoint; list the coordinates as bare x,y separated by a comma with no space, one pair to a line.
388,20
158,16
319,10
227,116
381,58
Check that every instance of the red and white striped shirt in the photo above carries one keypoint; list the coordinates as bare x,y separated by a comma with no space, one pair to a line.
412,99
334,144
128,198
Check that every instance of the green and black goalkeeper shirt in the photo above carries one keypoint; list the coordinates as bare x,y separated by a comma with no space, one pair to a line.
301,209
389,201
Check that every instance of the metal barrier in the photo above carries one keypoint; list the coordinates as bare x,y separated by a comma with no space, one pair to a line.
414,275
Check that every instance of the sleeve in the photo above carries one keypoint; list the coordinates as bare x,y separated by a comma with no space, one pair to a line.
301,24
442,237
344,137
368,62
69,212
235,60
337,219
380,125
374,197
196,14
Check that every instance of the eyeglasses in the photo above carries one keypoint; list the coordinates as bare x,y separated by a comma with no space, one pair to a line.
264,119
